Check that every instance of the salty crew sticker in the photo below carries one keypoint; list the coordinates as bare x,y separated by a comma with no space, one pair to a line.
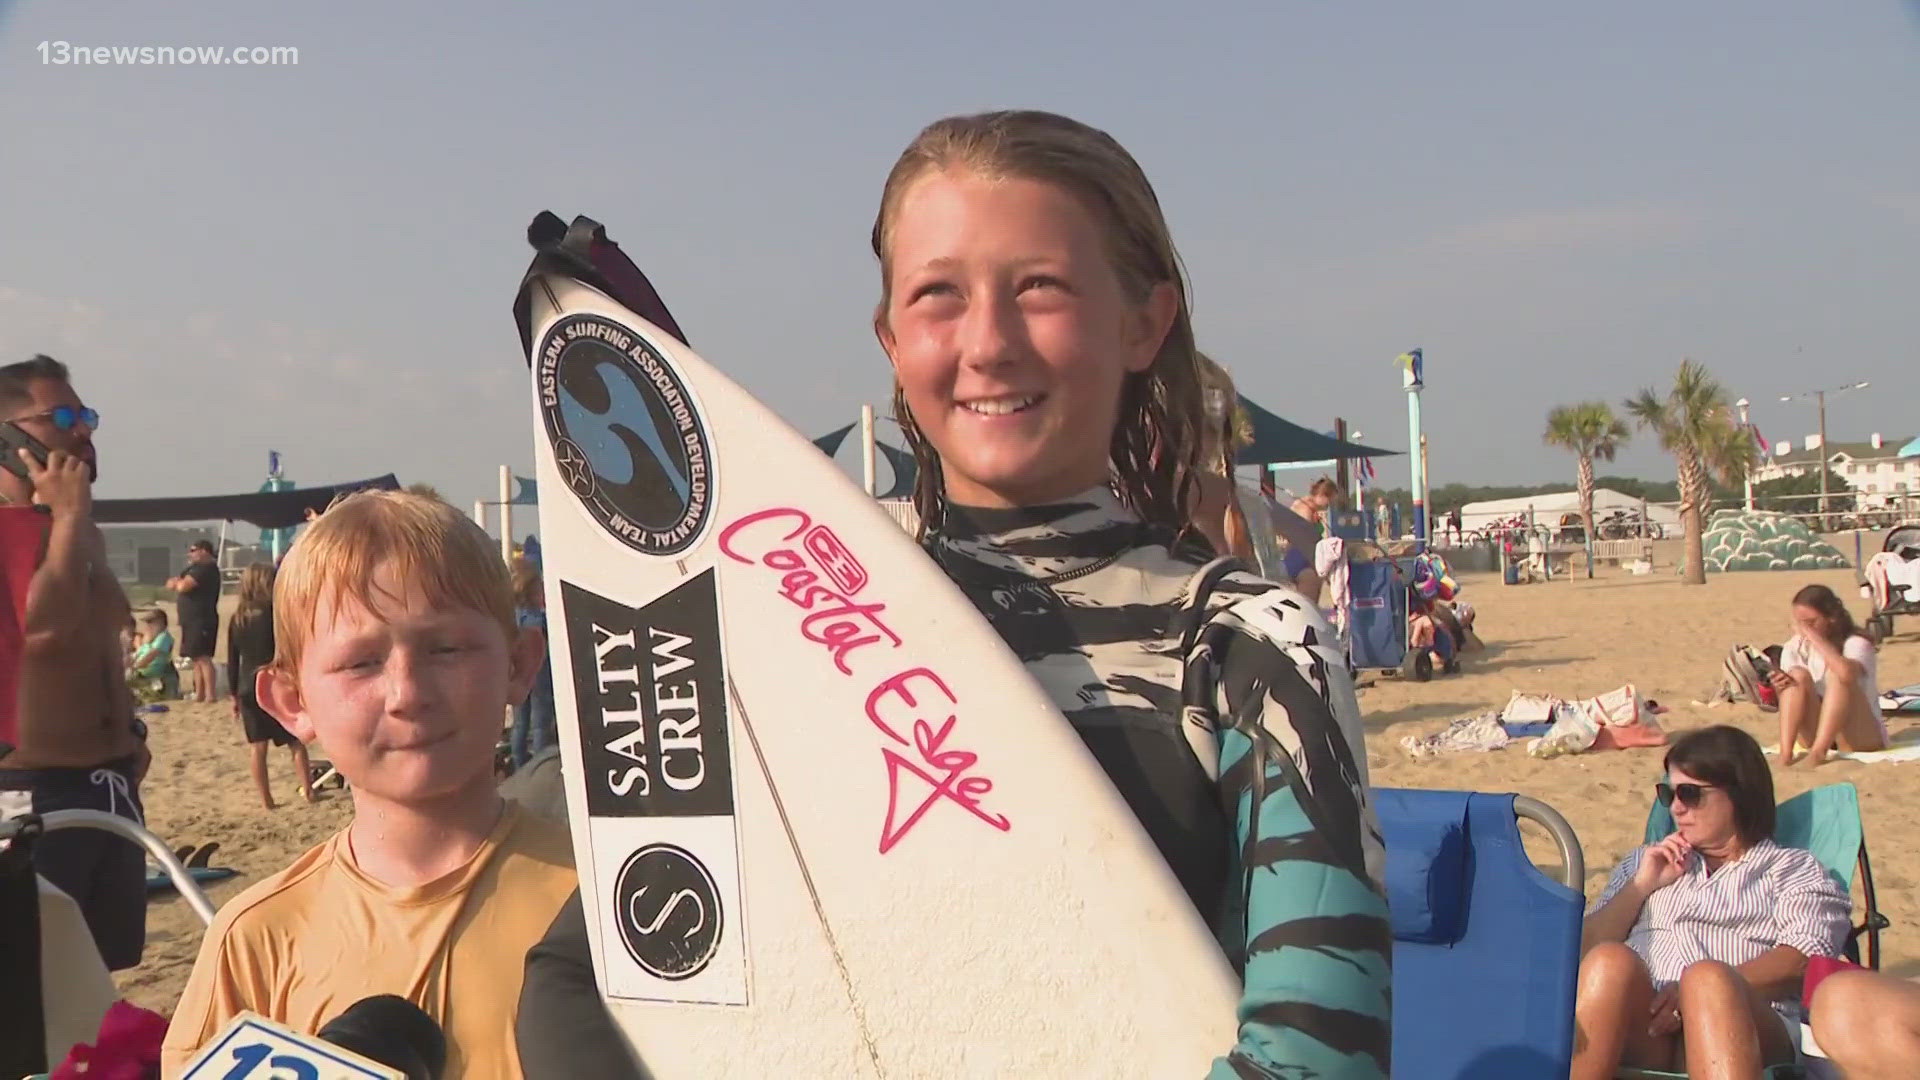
650,683
650,695
626,436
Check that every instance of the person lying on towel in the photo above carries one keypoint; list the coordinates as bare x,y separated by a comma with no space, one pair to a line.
1695,952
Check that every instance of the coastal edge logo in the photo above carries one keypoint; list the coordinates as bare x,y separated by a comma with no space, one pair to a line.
626,436
668,911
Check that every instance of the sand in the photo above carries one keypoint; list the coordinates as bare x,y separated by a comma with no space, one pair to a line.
1571,638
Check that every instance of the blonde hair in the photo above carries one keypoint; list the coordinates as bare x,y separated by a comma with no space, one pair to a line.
428,544
1156,445
526,582
256,591
1228,429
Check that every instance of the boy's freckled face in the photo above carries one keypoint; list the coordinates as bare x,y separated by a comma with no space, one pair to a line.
406,699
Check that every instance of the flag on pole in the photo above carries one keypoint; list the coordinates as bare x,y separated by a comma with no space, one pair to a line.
1758,440
1366,470
1414,365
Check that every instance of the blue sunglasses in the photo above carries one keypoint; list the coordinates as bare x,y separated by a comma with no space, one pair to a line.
64,417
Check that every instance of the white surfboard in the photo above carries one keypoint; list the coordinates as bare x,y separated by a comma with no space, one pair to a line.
826,823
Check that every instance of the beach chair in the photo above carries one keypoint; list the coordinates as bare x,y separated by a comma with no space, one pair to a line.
1826,821
1486,947
1893,580
58,987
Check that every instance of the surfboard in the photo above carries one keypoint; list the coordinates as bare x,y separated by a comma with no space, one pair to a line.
826,823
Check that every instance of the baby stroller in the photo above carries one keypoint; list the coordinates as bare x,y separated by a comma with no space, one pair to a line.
1893,579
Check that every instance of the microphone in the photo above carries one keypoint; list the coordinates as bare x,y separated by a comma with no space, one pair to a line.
377,1038
394,1032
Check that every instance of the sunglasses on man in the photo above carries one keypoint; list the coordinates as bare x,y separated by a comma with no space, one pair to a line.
1688,794
66,417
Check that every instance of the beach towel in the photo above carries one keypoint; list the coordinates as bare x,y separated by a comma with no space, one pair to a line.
1901,746
1888,570
20,537
1480,732
1330,563
1905,699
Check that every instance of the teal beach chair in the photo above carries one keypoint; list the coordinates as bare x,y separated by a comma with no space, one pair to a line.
1825,821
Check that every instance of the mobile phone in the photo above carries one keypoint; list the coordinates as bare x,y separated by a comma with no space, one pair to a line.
12,438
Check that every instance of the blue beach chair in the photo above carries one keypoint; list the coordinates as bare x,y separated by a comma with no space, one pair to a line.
1486,947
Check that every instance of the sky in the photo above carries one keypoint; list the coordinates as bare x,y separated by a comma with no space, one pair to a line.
1556,202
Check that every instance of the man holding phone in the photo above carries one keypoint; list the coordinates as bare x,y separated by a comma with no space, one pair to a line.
76,742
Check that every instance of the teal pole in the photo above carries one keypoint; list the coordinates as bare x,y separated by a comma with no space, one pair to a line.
1413,381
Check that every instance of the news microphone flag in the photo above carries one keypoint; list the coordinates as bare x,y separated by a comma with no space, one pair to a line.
255,1048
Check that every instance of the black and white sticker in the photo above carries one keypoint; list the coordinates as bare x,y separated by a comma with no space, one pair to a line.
650,683
670,915
627,437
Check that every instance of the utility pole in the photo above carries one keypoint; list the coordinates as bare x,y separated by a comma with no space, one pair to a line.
1820,399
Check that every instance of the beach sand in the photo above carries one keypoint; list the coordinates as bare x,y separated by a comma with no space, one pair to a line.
1570,638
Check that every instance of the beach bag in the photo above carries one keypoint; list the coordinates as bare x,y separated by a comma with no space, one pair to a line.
1745,678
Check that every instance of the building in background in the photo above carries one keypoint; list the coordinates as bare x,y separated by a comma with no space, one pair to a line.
1880,478
150,554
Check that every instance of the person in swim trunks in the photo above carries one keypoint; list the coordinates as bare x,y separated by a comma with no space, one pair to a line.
75,741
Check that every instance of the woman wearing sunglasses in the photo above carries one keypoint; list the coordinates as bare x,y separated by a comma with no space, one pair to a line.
1695,950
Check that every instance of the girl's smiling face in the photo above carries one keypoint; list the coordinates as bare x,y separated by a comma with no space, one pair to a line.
1012,335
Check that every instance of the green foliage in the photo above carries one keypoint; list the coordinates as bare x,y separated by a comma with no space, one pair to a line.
1772,494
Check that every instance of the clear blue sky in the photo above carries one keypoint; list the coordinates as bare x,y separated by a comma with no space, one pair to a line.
1555,201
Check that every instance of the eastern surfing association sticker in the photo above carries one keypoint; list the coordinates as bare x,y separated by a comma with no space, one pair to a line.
669,912
627,437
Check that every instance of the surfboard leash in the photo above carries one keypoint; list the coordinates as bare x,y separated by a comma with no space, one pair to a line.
806,876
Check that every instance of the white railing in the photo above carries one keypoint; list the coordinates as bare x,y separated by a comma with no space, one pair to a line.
901,510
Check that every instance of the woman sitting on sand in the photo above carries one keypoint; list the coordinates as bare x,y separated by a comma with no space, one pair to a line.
1695,951
1828,681
250,646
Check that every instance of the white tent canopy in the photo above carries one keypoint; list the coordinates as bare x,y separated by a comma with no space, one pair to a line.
1547,509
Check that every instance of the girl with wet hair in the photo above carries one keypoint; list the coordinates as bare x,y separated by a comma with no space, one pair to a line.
1034,311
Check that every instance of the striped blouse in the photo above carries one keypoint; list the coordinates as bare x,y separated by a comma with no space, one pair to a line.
1772,895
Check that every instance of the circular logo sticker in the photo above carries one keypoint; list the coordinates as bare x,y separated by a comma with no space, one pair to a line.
668,911
626,436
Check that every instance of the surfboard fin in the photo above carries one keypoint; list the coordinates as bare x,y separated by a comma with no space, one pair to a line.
581,251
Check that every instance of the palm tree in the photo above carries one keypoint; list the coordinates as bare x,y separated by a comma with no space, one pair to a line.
1695,423
1589,430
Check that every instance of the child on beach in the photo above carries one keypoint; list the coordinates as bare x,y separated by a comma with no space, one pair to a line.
396,650
1047,381
153,659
